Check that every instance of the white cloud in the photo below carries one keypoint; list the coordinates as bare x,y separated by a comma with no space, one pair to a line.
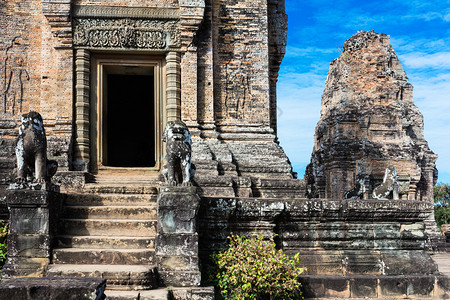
440,60
431,95
297,52
429,16
299,97
447,17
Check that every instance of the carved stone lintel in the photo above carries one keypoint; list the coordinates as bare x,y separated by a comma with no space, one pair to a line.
126,27
126,33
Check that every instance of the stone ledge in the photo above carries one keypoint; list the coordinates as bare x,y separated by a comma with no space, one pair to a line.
53,288
321,209
361,286
193,293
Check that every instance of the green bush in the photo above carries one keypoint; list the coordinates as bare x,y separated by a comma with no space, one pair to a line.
252,268
3,236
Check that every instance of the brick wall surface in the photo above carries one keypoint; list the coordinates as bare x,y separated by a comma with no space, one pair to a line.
241,61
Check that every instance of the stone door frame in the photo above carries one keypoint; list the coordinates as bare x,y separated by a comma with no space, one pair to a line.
97,98
154,34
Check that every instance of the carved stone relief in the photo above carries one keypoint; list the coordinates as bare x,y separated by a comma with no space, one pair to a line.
13,76
237,96
101,27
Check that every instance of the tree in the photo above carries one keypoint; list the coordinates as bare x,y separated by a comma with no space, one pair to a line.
442,203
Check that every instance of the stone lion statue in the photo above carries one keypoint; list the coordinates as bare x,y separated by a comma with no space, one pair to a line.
389,185
31,151
358,190
178,169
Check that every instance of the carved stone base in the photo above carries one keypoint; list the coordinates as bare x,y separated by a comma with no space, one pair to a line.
32,223
177,238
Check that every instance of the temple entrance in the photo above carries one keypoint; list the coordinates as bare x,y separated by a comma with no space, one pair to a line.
130,124
128,114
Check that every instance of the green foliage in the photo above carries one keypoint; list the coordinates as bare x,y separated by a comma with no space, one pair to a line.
442,194
442,203
252,268
3,236
442,215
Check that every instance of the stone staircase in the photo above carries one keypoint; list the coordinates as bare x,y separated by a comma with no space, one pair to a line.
108,230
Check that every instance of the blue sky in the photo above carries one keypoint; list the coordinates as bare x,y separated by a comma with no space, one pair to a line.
420,35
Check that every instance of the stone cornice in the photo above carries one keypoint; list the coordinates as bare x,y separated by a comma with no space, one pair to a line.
192,13
57,13
103,12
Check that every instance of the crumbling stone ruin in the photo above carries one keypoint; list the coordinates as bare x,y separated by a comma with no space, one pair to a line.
368,123
108,76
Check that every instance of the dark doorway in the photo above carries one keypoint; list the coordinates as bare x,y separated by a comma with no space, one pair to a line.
130,121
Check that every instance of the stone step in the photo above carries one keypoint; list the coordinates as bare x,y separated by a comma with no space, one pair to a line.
123,277
103,256
150,188
110,199
157,294
105,242
109,227
115,212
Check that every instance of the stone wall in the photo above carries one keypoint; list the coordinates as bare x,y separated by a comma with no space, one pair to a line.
369,122
334,237
351,248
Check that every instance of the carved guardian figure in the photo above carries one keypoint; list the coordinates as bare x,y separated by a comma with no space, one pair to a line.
358,191
178,169
31,151
389,185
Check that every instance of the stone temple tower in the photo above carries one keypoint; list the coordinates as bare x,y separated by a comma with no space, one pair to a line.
369,122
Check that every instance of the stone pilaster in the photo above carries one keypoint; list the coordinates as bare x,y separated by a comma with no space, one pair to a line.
177,238
173,60
82,144
32,224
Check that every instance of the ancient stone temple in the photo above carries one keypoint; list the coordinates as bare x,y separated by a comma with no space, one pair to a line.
161,118
368,123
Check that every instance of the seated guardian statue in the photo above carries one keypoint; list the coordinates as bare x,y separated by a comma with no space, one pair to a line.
31,151
358,190
178,169
389,186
